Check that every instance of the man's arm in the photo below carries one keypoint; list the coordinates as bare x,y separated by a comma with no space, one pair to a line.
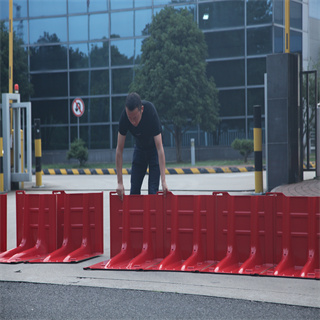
119,160
162,162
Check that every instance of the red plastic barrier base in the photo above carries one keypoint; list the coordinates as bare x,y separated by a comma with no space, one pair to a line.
264,235
3,222
57,227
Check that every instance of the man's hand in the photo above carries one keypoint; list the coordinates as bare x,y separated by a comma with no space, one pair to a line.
119,152
120,191
165,189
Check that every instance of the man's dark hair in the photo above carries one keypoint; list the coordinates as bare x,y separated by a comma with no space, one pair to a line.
133,101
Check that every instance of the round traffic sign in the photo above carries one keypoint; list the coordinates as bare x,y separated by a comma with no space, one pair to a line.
78,107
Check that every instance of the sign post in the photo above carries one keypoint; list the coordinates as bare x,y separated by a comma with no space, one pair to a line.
78,110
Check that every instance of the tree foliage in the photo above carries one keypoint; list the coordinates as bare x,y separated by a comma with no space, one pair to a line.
173,76
20,64
78,151
244,146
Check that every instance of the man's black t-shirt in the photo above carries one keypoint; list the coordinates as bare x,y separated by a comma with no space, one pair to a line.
148,127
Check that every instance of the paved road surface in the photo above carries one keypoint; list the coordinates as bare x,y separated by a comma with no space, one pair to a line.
42,301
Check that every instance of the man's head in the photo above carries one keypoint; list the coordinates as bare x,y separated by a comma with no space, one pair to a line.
133,101
134,108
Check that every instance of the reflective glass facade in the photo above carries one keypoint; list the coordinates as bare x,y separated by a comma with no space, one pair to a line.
88,49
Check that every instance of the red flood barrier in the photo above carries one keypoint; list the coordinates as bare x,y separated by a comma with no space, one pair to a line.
57,227
3,222
268,234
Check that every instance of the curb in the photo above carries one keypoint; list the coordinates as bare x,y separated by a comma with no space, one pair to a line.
128,171
200,170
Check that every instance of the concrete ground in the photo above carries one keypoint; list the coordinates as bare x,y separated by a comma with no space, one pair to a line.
287,291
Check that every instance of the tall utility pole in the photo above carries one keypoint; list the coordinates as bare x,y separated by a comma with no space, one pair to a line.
287,26
10,46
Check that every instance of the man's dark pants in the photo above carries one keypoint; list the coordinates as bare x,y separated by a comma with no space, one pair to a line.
142,158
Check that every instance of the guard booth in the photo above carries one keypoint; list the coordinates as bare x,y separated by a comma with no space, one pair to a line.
17,143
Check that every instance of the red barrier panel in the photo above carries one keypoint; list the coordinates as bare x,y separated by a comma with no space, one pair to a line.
57,227
298,237
266,235
3,222
83,227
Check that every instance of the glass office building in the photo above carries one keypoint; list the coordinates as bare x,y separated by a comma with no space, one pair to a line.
88,49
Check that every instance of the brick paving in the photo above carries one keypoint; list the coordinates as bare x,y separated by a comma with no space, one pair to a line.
306,188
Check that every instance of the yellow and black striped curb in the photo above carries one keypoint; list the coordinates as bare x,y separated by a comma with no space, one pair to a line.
128,171
168,170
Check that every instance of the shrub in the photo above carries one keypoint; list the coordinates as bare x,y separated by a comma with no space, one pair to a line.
78,151
244,146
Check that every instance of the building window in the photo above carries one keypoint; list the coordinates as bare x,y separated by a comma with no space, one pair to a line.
227,73
256,68
79,83
259,12
143,19
78,55
295,41
99,54
49,30
259,40
78,28
20,28
221,14
19,10
278,40
278,12
100,137
76,6
51,112
232,102
47,8
121,79
123,4
50,84
225,43
295,15
99,26
48,58
118,104
99,82
54,137
255,96
122,52
99,110
121,24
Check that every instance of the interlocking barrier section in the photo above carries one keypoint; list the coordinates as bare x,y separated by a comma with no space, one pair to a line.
57,227
270,234
3,222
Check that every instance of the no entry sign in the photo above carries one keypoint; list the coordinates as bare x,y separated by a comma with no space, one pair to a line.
78,107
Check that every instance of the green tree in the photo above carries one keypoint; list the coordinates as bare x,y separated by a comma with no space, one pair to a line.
244,146
78,151
172,74
20,64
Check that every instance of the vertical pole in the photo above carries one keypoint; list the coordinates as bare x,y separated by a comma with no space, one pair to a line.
193,157
10,46
1,155
257,142
38,154
78,128
266,124
318,141
287,26
308,122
